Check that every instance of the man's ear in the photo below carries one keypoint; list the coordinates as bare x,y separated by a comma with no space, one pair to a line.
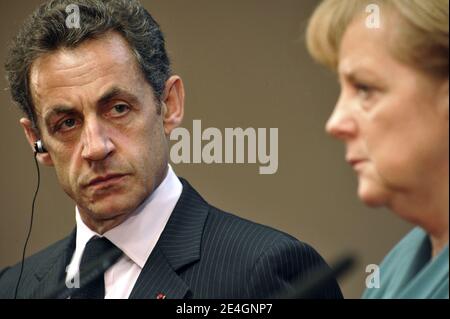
447,98
444,98
172,108
32,137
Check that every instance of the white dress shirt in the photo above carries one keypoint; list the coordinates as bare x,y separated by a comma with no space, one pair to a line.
136,237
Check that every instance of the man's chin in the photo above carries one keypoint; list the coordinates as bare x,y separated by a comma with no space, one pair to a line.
109,209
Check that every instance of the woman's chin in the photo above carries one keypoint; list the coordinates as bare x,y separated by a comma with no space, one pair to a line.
372,194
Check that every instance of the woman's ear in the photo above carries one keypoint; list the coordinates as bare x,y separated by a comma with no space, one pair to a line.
32,137
172,108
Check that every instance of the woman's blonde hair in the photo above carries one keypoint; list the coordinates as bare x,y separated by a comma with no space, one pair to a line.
421,36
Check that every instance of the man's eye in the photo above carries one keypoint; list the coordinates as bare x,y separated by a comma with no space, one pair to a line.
69,122
66,125
119,110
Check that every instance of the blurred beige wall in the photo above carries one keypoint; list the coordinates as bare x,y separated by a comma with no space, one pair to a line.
244,64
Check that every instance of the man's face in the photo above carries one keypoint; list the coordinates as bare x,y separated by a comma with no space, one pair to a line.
101,126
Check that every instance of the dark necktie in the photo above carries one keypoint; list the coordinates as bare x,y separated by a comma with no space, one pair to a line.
99,254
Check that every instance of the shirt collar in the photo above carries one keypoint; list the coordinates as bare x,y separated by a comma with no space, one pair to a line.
139,233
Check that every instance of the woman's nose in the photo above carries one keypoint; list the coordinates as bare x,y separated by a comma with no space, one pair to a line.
341,124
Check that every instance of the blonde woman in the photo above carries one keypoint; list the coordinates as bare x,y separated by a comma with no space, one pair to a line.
391,58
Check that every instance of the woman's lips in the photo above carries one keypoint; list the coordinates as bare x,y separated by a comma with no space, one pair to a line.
355,163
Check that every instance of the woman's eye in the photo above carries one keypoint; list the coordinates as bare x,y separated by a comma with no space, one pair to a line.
364,91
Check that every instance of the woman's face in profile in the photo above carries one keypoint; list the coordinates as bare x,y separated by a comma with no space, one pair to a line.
392,118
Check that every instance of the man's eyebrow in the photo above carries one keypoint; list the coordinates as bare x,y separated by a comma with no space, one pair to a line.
116,92
57,110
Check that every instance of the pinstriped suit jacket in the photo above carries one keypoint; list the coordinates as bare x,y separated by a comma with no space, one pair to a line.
202,253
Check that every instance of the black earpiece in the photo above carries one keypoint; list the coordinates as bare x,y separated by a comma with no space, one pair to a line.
39,147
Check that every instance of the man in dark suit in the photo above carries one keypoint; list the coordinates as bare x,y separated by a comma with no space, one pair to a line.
100,98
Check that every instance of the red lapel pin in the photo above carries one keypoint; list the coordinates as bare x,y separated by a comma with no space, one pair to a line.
160,296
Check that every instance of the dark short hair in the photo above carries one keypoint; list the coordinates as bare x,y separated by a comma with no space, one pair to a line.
45,31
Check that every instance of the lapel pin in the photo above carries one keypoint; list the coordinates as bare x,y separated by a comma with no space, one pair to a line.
160,296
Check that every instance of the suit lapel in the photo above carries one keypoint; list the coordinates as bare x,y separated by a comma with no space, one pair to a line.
50,275
178,247
159,280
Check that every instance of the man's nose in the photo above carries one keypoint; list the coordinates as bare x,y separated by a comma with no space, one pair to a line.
342,124
97,145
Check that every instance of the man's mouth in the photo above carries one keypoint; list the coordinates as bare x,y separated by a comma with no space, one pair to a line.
106,180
